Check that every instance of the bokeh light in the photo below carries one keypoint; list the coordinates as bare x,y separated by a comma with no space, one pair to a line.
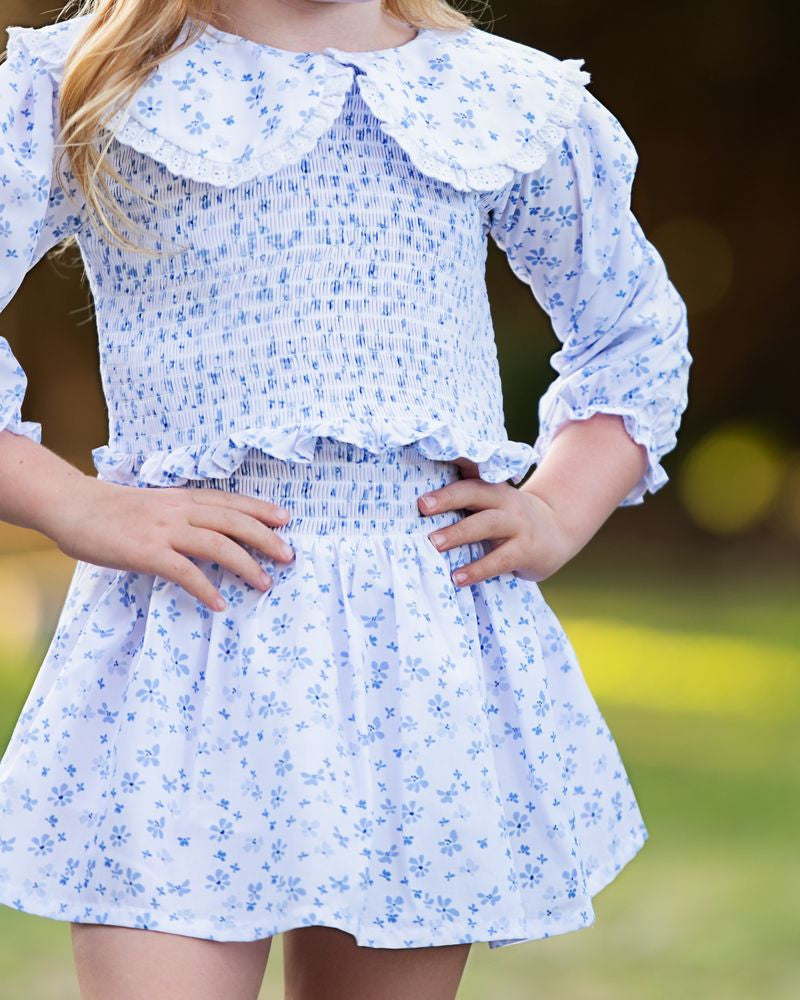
731,478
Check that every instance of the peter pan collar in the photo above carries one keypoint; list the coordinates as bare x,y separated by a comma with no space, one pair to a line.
468,107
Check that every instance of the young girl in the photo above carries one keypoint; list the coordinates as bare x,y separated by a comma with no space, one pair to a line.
304,679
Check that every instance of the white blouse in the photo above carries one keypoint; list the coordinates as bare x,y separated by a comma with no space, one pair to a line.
322,223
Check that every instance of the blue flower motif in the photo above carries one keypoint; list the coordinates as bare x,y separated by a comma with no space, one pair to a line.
197,125
150,106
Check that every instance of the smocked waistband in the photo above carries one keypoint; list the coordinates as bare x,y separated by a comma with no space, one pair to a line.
345,489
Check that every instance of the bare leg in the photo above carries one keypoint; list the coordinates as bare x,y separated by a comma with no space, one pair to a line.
324,963
131,964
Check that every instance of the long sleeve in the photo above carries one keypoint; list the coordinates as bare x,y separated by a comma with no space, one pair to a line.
568,231
35,213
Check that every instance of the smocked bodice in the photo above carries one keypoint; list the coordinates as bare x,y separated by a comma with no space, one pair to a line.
343,293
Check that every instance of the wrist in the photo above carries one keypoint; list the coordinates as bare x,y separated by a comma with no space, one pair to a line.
575,522
58,516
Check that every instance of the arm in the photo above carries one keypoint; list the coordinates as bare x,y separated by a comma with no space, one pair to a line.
569,233
35,483
35,214
613,411
149,531
589,469
35,210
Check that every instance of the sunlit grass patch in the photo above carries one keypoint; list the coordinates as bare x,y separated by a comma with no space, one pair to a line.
687,671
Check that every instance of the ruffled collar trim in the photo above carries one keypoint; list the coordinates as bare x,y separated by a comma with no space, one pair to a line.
468,107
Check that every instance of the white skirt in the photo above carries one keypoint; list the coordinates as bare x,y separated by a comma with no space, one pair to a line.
364,746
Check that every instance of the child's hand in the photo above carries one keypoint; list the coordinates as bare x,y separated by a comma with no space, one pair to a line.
523,529
589,468
154,530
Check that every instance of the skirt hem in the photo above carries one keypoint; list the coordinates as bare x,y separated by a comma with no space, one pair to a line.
142,918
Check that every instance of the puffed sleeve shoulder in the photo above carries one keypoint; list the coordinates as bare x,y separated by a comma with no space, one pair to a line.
35,213
568,231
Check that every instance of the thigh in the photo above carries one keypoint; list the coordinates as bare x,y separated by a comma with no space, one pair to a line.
324,963
127,963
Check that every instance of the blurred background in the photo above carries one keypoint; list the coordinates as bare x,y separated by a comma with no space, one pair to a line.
683,611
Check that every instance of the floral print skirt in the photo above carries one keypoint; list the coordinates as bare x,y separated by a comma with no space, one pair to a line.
364,746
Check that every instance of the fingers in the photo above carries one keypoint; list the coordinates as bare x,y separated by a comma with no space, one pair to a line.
173,566
213,546
463,494
202,522
235,523
499,560
485,524
264,510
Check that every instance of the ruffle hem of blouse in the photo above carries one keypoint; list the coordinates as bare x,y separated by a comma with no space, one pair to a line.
497,461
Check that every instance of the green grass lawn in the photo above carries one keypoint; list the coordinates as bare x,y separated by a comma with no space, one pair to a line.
700,684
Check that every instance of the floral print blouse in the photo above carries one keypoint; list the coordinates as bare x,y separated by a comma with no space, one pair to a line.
322,273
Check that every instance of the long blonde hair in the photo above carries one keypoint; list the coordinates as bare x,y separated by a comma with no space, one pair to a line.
125,41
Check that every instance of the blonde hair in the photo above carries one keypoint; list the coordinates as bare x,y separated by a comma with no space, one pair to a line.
125,41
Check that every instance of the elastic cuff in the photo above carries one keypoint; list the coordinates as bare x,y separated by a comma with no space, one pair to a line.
26,428
654,477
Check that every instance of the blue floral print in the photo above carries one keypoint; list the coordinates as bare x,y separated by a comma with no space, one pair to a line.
570,234
365,745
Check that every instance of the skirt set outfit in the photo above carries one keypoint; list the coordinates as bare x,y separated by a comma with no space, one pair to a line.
365,745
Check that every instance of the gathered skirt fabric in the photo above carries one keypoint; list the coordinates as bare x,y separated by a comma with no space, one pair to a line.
364,746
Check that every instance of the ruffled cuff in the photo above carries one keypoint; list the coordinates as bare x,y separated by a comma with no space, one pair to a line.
25,428
558,410
13,384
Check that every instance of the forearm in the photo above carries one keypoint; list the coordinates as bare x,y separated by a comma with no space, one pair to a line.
588,470
35,483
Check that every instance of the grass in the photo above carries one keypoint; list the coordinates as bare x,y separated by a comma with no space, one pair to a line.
699,681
